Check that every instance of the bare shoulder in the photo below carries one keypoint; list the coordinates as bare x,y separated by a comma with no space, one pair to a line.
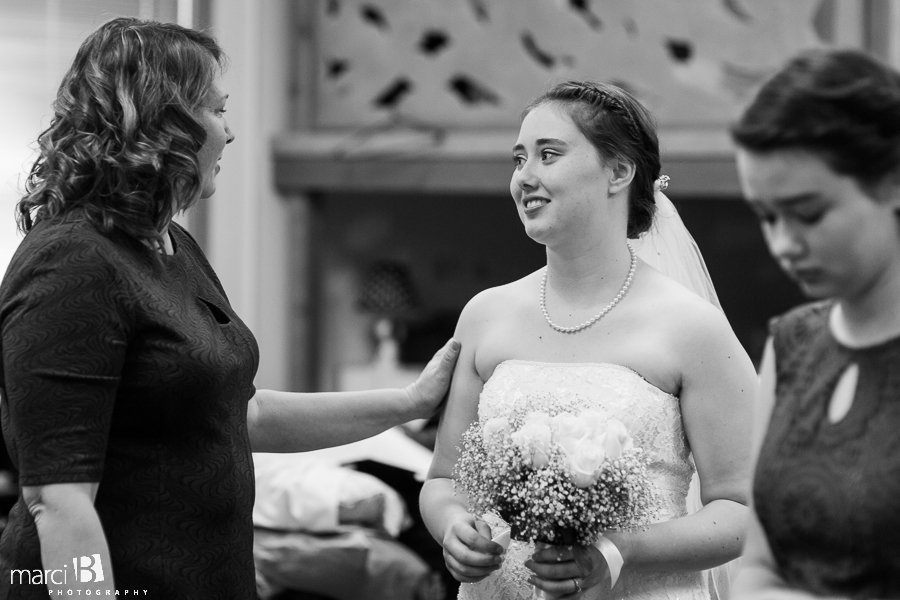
692,327
494,303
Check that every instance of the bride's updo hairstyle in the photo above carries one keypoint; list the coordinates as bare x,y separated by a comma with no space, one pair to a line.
842,106
619,127
121,150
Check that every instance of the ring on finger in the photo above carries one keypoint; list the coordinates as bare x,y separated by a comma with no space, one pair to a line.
578,589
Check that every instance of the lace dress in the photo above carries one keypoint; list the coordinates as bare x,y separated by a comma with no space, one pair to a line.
653,418
828,493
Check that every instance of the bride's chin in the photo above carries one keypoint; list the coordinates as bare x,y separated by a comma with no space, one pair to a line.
537,233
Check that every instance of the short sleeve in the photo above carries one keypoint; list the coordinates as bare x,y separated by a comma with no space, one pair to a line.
794,334
63,322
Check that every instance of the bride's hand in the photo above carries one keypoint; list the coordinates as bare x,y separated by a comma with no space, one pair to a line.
469,552
567,571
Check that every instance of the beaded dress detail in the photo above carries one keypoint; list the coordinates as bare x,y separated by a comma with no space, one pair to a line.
652,417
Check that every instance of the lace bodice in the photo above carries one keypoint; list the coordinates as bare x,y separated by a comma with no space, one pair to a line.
827,494
653,418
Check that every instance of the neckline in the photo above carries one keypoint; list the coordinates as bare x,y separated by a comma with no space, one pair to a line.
829,307
615,366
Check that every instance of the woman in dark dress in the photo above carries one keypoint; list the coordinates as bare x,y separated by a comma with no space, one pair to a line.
819,160
128,404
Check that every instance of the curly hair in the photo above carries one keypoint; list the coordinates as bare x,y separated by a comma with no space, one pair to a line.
618,126
121,150
843,106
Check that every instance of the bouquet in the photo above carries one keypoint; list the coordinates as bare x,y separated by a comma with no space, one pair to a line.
555,476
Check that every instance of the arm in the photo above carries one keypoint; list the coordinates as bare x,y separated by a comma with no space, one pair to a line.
68,528
65,329
758,576
718,389
296,422
468,550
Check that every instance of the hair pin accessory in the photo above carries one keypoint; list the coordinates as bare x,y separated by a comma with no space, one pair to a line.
661,184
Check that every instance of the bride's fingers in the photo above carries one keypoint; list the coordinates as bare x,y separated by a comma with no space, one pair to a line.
554,571
554,554
477,540
467,573
468,557
483,529
463,551
562,588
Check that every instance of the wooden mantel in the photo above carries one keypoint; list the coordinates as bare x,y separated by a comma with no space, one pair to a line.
700,163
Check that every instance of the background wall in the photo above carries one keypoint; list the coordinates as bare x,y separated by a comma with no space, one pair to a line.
465,63
252,230
38,40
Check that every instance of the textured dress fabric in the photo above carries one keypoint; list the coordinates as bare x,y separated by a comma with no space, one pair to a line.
828,493
652,417
133,372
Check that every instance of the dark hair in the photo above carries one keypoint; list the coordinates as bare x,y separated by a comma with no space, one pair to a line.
121,150
620,127
843,106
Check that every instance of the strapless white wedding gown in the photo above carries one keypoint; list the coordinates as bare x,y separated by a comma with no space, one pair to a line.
653,418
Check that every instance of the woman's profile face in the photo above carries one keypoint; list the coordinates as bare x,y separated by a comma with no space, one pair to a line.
824,230
559,177
212,116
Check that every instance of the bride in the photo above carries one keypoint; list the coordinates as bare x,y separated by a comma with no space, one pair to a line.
603,324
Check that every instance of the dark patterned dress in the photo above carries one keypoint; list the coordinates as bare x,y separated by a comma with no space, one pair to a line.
828,494
121,369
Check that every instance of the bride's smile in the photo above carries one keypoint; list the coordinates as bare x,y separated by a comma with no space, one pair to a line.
561,184
532,203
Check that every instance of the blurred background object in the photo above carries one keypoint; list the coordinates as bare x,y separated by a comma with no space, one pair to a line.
387,294
337,532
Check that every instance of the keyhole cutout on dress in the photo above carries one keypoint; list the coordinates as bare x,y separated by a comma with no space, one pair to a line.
844,392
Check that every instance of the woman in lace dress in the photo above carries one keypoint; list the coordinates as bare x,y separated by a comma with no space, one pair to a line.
819,157
639,345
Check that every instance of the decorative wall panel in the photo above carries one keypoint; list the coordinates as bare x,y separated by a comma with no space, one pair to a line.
464,64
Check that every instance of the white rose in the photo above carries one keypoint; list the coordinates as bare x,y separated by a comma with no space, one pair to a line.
584,458
617,439
533,439
567,426
595,422
492,428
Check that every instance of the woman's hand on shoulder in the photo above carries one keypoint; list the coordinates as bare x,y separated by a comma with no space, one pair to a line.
465,387
469,552
430,389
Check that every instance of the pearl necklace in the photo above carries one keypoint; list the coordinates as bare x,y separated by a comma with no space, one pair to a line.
600,314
